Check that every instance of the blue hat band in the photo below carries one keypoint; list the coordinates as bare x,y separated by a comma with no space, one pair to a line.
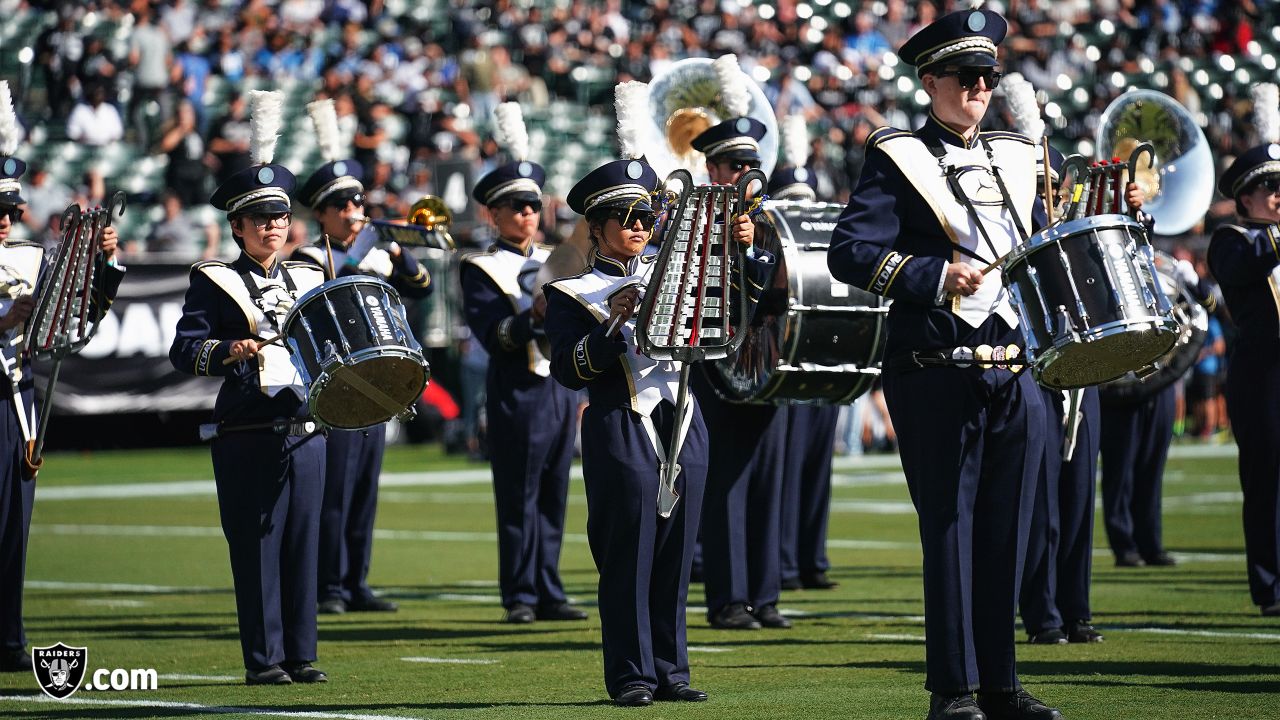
617,192
963,46
10,185
257,196
513,186
741,142
794,191
1266,168
346,182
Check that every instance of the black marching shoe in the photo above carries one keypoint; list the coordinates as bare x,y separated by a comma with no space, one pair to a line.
792,583
332,606
1081,631
1019,705
15,660
954,707
1129,559
816,580
560,611
1048,636
274,675
680,692
733,616
634,696
1160,559
372,604
304,672
769,617
1272,610
520,614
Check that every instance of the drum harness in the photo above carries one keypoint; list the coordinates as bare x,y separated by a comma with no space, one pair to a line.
964,357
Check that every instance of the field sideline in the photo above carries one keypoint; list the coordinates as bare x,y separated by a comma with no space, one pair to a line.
127,559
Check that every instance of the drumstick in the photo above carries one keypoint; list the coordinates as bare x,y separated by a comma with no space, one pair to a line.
1048,184
328,249
262,344
999,261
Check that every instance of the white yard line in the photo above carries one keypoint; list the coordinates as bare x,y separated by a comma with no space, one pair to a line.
197,707
450,661
1198,633
895,636
116,587
214,678
707,649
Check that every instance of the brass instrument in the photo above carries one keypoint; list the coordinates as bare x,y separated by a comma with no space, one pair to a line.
427,225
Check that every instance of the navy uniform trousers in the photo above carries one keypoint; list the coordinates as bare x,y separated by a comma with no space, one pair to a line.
531,431
269,493
1253,403
17,497
971,443
806,488
643,560
740,515
1055,582
353,463
1135,445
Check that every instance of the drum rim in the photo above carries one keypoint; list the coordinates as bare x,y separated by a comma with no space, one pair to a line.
1068,228
1041,361
325,377
323,288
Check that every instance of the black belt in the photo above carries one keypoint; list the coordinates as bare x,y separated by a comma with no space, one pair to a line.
280,426
1007,357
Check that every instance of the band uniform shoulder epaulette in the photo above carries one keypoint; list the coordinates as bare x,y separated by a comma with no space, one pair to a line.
209,264
883,133
23,243
1005,135
301,265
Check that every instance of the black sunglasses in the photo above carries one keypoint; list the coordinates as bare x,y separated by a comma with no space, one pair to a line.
14,214
1272,184
518,206
968,77
626,217
340,203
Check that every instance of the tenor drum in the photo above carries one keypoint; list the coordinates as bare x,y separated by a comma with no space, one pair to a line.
825,342
1089,305
350,340
1193,327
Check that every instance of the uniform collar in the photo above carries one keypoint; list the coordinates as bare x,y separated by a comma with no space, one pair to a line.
504,244
245,263
935,129
1257,224
611,267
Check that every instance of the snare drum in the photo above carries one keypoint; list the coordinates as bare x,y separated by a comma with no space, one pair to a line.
351,343
826,344
1089,304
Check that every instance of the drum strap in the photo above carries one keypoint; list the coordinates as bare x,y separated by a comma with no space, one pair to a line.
255,292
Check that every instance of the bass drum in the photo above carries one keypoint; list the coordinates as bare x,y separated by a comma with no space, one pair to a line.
1193,326
813,339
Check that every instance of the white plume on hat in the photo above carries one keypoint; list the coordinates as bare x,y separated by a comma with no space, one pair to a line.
734,94
1266,111
10,133
509,130
795,141
631,103
266,114
324,117
1021,96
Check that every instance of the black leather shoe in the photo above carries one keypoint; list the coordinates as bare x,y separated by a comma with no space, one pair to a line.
634,696
303,672
1272,610
520,614
1081,631
15,660
954,707
274,675
1050,636
680,692
332,606
372,604
733,616
1129,559
560,611
1018,705
1160,559
792,583
816,580
770,617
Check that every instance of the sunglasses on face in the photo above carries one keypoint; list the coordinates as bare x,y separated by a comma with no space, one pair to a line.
341,203
738,165
968,77
627,217
262,222
520,205
14,214
1272,184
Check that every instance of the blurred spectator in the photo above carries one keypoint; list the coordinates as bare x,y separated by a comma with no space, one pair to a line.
191,73
97,64
58,53
866,46
187,172
1203,389
94,121
46,197
149,55
178,19
178,234
229,140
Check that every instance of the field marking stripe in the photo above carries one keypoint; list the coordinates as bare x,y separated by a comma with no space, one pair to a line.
1200,633
197,707
117,587
185,676
450,661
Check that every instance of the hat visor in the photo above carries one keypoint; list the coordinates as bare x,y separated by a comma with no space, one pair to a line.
739,154
519,196
11,199
269,206
970,59
641,205
340,197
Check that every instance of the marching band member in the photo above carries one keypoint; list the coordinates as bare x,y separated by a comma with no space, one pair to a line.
740,561
268,462
353,457
21,262
931,210
1244,258
532,418
811,429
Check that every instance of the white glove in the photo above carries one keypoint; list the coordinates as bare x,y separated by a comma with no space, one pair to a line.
362,244
1186,272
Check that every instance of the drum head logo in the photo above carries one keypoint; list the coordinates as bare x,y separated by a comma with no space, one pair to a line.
59,669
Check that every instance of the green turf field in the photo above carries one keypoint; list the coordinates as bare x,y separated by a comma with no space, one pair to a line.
127,559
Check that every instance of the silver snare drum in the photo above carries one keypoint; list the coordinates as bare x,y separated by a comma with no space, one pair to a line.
351,343
1089,303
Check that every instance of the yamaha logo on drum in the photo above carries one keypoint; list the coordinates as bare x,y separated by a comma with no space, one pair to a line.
379,316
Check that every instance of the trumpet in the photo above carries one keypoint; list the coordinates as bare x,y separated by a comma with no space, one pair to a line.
426,226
